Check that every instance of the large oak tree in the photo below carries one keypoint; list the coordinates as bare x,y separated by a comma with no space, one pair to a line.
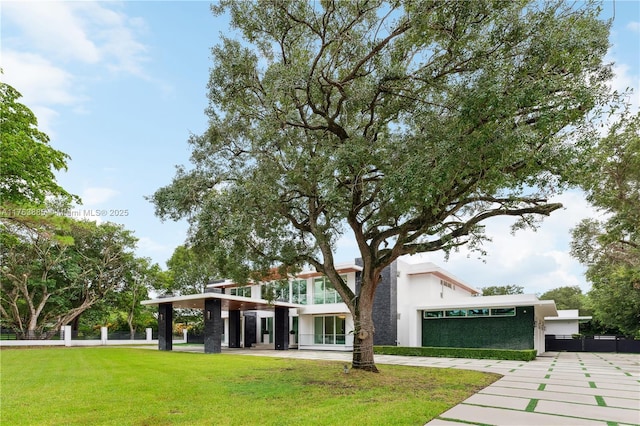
610,247
402,124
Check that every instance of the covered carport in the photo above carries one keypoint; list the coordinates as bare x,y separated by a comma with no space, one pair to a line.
212,305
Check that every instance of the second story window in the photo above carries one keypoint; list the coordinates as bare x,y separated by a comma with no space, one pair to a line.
299,292
275,291
240,291
324,292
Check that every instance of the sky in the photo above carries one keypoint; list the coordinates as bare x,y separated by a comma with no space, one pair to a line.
119,86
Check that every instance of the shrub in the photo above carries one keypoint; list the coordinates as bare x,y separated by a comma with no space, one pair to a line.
480,353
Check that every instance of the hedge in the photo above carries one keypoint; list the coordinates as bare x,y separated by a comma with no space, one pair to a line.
479,353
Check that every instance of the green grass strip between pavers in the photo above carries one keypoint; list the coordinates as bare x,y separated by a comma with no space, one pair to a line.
600,401
531,406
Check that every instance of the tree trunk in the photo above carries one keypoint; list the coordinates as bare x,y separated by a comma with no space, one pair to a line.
364,328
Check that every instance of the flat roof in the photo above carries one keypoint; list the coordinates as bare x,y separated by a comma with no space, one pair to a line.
341,268
229,302
419,266
546,308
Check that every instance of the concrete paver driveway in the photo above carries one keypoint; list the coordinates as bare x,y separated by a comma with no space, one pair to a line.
555,389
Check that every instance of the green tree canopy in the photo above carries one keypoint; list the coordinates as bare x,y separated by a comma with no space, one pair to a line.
569,297
496,290
610,248
404,123
189,272
51,274
28,162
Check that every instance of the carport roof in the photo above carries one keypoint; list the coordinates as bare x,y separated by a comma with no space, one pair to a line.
229,302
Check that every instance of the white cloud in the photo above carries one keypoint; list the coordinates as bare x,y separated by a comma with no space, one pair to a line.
149,244
85,32
96,195
624,81
54,28
57,46
634,26
37,79
537,260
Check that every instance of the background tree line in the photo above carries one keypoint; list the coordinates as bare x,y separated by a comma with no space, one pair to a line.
57,270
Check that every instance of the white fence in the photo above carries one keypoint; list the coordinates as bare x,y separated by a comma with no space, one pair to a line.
67,340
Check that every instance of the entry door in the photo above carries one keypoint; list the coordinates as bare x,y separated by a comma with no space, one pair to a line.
250,325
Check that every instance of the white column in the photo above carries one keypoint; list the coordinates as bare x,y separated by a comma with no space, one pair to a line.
184,334
149,334
67,335
103,335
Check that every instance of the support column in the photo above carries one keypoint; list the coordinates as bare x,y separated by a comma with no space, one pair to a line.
213,326
165,326
67,335
234,329
104,335
281,328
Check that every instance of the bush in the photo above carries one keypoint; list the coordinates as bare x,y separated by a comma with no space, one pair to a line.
480,353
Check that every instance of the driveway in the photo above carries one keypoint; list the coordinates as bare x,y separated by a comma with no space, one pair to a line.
565,388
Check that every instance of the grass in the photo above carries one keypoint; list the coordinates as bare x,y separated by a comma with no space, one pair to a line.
125,386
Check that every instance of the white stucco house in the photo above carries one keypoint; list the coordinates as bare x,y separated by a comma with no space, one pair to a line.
417,304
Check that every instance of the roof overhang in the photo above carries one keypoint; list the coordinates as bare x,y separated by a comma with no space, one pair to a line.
443,276
578,318
229,302
342,268
545,308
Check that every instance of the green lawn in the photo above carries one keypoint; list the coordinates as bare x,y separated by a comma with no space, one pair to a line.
120,386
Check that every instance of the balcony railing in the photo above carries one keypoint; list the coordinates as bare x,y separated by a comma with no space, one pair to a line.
326,339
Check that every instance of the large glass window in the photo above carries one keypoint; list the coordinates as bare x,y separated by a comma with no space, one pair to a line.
329,330
473,312
299,292
241,291
324,292
275,291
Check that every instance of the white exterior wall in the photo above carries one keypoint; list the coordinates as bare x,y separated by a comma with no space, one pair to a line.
538,332
416,289
562,327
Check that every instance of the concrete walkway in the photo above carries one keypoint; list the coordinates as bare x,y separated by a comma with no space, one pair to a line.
558,388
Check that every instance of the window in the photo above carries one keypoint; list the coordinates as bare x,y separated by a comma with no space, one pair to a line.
329,330
503,312
470,313
323,291
447,284
299,292
480,312
241,291
275,291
